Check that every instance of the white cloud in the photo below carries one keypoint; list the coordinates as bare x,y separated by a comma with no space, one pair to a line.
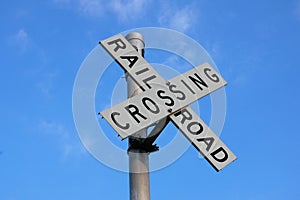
67,144
129,9
24,43
171,14
214,49
72,149
182,20
21,39
178,19
297,10
239,80
62,1
53,128
92,8
124,10
46,84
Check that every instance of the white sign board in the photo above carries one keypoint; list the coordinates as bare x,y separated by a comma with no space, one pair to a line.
132,62
203,138
143,110
166,98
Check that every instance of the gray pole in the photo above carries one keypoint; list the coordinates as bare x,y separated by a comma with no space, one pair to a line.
138,157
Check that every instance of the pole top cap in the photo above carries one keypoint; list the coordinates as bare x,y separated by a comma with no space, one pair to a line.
136,39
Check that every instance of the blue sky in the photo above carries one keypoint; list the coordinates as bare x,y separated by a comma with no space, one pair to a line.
255,45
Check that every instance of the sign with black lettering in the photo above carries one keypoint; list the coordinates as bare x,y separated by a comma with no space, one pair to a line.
203,138
162,99
131,61
141,111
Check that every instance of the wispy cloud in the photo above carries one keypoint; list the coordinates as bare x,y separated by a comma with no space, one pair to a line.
124,10
168,13
214,49
297,10
70,149
129,9
47,82
68,146
181,19
53,128
94,8
44,77
62,1
21,40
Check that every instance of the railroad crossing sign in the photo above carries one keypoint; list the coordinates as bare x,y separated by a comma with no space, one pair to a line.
166,99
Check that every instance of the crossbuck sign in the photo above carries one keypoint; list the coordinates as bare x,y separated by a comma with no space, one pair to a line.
162,99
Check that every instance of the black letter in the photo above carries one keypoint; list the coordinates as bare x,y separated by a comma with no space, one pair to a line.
117,41
131,59
134,112
198,81
213,154
148,79
148,108
213,77
208,141
189,127
177,91
117,123
142,71
171,103
188,87
188,117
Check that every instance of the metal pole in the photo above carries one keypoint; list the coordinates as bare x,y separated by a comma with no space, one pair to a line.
138,157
